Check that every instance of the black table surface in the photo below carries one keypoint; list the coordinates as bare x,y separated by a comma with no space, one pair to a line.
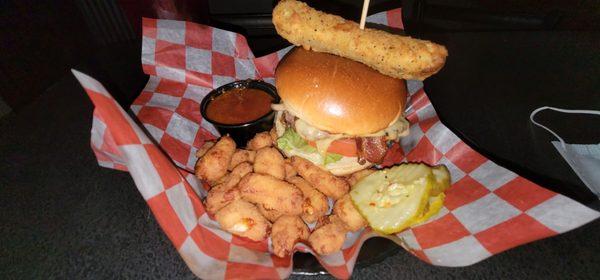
493,81
62,216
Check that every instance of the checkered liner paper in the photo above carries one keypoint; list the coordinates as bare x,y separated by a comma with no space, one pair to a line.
487,210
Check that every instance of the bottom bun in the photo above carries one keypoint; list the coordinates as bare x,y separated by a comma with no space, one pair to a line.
344,166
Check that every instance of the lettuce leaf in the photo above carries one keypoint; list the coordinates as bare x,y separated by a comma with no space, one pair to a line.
291,140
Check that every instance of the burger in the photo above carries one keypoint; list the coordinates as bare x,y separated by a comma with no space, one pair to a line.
340,114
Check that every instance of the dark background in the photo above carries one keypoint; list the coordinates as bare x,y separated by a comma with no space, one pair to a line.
42,40
63,216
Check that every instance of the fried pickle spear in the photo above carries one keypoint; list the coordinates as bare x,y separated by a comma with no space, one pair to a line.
241,156
272,193
315,203
393,55
286,232
213,165
269,161
260,141
322,180
348,214
329,235
243,219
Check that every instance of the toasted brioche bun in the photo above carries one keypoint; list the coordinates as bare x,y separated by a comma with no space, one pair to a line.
338,95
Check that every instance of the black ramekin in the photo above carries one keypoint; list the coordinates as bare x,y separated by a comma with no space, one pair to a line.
241,133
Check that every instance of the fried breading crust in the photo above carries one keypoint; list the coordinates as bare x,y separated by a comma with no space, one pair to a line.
272,193
243,218
260,141
271,214
214,163
348,214
286,231
219,196
322,180
315,203
241,156
226,192
358,175
269,161
289,169
329,235
393,55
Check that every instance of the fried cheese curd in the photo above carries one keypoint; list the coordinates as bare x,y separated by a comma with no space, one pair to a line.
315,203
322,180
286,232
243,218
241,156
269,161
357,176
226,192
272,193
214,163
271,214
329,235
398,56
258,194
348,214
260,140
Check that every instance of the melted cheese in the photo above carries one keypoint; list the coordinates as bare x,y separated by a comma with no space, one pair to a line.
323,140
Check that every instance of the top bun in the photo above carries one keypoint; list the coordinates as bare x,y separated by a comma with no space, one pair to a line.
338,95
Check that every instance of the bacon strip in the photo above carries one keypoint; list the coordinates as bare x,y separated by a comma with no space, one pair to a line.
372,149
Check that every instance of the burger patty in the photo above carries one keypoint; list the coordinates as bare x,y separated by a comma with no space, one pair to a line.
372,149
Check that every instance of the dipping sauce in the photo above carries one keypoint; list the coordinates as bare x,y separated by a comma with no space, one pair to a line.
239,105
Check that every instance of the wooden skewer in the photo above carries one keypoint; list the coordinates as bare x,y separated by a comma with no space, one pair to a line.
363,16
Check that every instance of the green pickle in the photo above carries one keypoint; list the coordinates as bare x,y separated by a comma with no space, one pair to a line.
433,207
442,179
396,198
392,199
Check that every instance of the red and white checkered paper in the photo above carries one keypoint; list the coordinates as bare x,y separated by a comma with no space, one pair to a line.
488,209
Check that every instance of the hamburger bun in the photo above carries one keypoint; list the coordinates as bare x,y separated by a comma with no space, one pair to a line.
338,95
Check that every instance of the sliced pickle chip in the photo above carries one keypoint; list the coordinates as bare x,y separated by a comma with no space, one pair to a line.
442,179
391,199
433,207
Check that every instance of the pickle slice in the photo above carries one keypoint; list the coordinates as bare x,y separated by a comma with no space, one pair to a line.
391,199
442,179
433,207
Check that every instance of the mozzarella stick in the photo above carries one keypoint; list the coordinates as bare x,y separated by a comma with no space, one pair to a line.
397,56
322,180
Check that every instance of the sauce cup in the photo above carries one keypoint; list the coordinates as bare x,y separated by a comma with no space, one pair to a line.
243,132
